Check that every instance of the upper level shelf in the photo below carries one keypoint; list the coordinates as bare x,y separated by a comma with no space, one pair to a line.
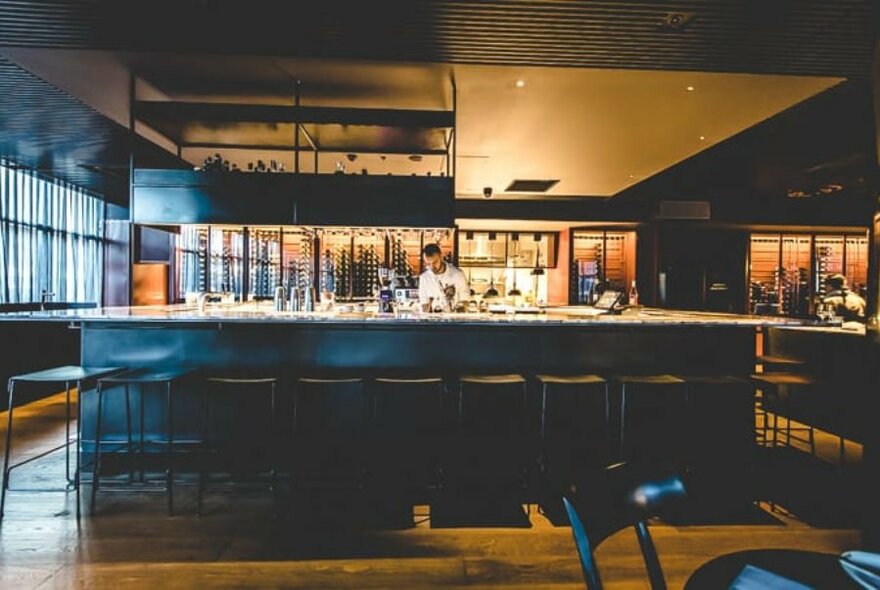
321,128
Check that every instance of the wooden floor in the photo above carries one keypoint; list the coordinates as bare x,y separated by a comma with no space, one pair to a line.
241,543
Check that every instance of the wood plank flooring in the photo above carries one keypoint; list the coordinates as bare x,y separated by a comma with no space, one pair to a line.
241,542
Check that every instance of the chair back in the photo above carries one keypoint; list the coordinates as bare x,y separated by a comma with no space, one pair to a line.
623,495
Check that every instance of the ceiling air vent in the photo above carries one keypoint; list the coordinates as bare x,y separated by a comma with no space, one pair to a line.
683,210
530,186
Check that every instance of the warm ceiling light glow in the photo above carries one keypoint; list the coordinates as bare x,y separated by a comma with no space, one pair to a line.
690,88
702,138
631,176
520,83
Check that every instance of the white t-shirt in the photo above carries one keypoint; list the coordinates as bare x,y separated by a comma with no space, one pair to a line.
433,285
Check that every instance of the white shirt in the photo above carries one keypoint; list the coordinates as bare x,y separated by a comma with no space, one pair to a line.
433,285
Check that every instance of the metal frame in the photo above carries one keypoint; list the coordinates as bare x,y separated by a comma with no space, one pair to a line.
169,442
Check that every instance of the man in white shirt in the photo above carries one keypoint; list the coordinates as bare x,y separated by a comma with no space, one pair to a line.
441,286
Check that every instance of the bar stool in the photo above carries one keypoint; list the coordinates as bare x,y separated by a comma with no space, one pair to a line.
57,375
242,381
140,377
779,397
772,363
329,417
409,418
574,408
721,426
492,412
665,396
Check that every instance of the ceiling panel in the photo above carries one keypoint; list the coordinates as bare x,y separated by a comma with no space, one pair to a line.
807,37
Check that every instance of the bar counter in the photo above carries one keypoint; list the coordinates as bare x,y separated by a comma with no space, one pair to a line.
561,339
255,338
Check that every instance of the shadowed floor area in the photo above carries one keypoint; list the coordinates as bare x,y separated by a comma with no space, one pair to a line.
311,542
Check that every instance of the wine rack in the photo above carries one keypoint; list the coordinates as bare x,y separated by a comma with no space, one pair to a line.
298,259
600,260
856,264
338,260
191,253
264,262
788,271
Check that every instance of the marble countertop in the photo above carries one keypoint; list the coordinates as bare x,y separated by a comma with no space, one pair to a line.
264,313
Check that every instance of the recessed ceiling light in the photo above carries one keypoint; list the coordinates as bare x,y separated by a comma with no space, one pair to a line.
702,138
630,175
690,88
520,83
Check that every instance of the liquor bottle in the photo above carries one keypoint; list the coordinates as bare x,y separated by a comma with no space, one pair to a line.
633,294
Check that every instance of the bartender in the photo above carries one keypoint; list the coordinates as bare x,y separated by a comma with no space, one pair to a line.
846,304
442,286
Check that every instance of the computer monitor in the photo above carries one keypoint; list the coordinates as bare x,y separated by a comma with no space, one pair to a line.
608,300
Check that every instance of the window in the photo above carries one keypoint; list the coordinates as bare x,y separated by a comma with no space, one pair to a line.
51,239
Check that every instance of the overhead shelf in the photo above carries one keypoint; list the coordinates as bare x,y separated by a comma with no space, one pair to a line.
323,129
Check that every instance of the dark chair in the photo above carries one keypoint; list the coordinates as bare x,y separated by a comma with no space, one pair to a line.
622,496
66,376
166,377
576,430
863,567
787,395
330,414
492,425
408,422
653,417
245,385
721,437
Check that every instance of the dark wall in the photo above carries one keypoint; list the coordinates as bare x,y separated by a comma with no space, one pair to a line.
704,268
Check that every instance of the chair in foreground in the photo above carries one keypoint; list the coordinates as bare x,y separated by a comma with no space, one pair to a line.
624,496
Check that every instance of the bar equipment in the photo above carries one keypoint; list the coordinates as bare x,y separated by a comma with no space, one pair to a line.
280,298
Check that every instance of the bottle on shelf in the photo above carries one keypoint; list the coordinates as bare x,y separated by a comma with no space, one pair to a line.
633,294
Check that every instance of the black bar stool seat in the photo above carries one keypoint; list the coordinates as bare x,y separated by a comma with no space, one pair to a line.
65,375
140,377
237,379
570,379
649,380
771,361
508,379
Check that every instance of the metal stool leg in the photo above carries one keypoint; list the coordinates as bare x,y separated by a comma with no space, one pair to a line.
775,430
96,462
622,421
273,452
169,469
128,429
543,458
141,442
67,432
842,452
11,388
77,477
201,490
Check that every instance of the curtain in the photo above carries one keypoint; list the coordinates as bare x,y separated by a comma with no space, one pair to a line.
51,239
